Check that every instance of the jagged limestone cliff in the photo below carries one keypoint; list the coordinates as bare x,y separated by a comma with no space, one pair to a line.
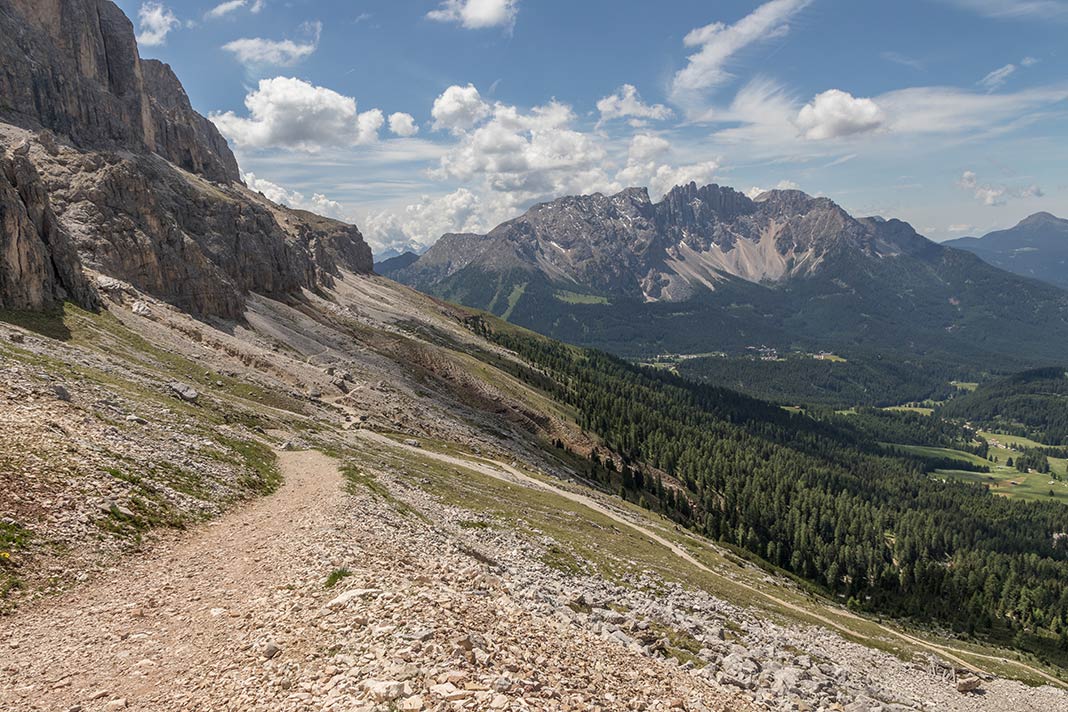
146,188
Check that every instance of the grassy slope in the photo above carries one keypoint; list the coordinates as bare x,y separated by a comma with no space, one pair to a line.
585,541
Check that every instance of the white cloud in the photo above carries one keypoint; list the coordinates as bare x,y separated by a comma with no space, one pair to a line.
229,6
527,156
719,42
767,119
998,77
477,14
992,195
647,166
960,227
368,124
401,124
667,177
225,8
421,224
258,52
318,204
903,60
627,103
952,110
156,22
459,109
1016,9
756,192
835,113
290,113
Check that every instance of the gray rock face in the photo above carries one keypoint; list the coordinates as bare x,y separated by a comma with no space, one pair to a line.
38,263
133,180
183,136
626,245
72,66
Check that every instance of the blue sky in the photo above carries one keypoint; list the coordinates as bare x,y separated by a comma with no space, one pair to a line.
420,117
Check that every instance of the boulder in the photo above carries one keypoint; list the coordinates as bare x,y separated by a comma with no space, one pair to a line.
186,393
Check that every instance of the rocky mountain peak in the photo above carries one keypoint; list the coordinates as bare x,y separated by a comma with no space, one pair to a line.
693,239
118,173
72,66
1042,219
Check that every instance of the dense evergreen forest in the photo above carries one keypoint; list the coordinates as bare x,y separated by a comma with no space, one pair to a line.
814,496
863,379
1033,404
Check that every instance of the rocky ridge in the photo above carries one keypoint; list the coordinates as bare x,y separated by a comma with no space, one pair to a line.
694,238
146,187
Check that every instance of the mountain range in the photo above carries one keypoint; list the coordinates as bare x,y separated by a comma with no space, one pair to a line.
1036,247
419,506
709,269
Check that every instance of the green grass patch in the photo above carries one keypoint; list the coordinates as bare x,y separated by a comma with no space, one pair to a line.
513,299
567,297
336,576
358,478
13,537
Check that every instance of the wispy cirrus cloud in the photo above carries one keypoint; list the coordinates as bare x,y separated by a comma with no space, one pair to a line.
718,43
1016,9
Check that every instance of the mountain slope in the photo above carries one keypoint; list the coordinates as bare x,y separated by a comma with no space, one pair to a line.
108,167
1031,403
708,269
1036,247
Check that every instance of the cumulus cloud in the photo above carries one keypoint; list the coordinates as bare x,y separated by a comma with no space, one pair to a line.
477,14
318,203
627,103
401,124
530,155
992,195
836,113
420,224
285,112
719,42
647,166
257,51
458,109
156,21
756,192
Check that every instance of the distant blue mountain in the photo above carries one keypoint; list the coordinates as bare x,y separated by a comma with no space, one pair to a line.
1037,247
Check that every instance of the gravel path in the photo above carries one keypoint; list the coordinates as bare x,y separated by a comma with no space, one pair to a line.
234,615
162,626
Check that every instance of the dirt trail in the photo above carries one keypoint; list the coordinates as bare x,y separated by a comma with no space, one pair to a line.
498,470
164,625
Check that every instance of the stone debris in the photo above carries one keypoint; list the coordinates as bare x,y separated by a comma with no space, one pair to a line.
186,393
